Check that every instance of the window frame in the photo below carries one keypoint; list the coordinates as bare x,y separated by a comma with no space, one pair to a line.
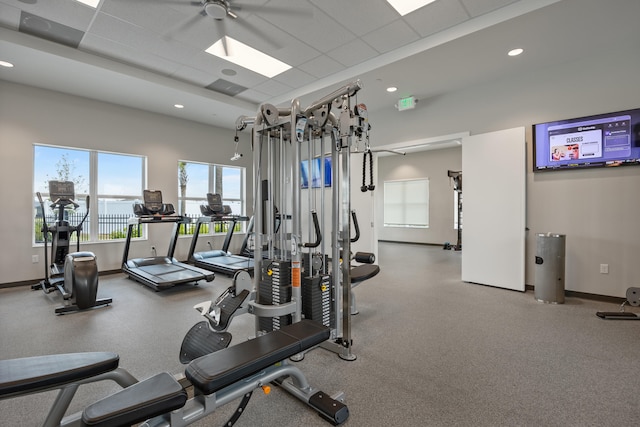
213,186
92,232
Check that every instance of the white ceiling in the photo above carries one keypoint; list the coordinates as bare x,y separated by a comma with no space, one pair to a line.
149,54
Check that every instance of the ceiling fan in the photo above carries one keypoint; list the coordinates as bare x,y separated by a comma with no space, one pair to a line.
217,9
220,10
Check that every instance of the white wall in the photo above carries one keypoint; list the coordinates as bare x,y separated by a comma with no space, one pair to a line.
598,210
29,115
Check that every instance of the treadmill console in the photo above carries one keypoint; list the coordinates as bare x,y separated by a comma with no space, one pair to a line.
214,206
153,205
153,201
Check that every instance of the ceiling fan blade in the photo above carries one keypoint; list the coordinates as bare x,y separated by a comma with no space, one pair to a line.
257,9
222,32
185,25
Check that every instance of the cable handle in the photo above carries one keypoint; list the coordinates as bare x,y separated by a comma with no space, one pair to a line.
355,225
316,226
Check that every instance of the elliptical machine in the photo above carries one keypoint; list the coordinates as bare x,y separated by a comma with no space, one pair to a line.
74,275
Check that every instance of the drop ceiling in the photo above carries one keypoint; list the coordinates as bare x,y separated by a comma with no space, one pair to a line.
150,54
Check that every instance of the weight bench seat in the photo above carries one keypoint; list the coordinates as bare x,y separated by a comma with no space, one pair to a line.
32,374
215,371
363,272
154,396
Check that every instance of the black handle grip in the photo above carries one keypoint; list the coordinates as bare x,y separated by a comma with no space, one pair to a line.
355,225
316,225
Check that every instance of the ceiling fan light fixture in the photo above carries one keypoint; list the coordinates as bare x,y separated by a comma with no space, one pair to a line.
217,9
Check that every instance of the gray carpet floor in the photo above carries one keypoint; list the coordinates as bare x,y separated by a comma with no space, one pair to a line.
431,350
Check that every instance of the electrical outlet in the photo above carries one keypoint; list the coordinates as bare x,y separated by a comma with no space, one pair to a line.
604,268
35,259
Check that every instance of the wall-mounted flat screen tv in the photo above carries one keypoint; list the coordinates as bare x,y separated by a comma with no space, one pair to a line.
603,140
314,173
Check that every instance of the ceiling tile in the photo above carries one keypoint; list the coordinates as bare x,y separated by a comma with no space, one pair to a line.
353,53
436,16
253,95
318,31
480,7
321,66
272,87
157,17
139,39
359,16
110,49
295,77
391,36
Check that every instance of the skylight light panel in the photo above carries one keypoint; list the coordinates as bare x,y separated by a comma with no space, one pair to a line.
92,3
248,57
407,6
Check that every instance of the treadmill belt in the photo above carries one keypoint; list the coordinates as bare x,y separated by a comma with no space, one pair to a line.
226,264
161,269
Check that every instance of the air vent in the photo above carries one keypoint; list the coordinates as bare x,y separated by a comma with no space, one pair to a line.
49,30
226,87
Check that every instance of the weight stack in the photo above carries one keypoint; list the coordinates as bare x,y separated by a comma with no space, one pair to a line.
274,289
316,299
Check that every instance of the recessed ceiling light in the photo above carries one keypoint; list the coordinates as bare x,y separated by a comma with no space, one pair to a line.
407,6
92,3
248,57
515,52
178,106
6,64
392,89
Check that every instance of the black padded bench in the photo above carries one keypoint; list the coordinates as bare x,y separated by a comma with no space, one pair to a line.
162,393
363,272
33,374
217,370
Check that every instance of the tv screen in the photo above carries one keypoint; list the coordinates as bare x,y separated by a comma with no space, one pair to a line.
602,140
315,172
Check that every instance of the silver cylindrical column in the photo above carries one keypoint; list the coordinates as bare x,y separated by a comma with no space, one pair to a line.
549,270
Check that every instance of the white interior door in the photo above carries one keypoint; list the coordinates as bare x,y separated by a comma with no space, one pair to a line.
493,189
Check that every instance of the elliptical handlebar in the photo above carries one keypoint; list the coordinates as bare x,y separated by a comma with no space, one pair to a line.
86,214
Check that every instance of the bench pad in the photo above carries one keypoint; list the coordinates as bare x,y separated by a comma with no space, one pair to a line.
31,374
154,396
212,372
363,272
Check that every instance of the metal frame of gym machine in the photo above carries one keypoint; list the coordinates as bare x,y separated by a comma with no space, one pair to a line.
275,127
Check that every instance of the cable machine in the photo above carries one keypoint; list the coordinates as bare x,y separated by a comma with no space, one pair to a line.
296,275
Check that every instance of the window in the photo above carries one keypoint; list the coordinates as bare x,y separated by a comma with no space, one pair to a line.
406,203
195,180
113,182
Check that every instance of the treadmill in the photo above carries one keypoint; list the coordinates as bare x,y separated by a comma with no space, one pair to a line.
159,272
221,260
